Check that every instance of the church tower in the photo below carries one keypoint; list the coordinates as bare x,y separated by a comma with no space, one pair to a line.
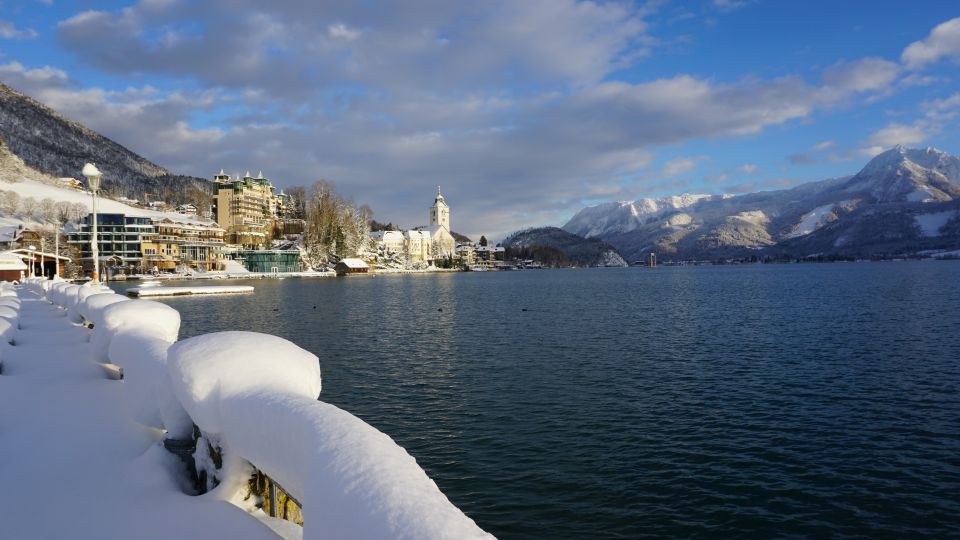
440,212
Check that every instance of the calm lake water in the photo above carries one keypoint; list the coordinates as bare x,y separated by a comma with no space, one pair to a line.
755,401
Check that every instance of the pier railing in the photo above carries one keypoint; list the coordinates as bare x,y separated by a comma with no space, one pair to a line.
253,398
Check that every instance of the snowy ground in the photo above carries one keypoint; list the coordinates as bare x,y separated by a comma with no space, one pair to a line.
74,464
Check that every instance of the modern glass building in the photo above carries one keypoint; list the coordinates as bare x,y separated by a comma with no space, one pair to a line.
271,260
118,236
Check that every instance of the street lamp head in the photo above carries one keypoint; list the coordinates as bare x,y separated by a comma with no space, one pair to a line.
93,175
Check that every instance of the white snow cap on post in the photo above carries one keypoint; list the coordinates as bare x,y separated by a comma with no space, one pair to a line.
144,317
91,170
205,370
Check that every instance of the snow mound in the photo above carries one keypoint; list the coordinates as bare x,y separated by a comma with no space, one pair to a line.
206,369
144,317
146,386
9,313
8,330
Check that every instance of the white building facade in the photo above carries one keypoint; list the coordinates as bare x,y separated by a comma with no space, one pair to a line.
443,244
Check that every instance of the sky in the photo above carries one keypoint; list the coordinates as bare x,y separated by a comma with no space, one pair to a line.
523,111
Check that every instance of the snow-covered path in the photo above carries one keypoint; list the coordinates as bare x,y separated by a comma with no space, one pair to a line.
73,464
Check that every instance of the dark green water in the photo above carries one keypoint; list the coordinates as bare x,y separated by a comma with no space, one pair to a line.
757,401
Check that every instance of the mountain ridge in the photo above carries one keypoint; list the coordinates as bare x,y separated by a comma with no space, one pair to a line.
882,210
54,145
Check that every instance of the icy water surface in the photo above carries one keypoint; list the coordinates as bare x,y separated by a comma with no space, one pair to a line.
708,402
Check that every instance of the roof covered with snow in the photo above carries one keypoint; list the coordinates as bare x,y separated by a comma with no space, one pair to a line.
353,263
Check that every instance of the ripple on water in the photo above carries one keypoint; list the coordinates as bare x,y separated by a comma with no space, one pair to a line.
789,400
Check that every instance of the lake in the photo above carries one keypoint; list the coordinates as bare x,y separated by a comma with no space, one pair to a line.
750,401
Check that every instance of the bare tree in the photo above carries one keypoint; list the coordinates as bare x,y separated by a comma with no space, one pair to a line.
29,206
10,202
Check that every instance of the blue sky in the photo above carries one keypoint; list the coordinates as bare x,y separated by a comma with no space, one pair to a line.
522,111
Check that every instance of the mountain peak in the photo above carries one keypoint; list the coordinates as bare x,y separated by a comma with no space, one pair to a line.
928,158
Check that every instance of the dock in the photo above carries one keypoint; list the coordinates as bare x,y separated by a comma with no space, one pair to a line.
142,292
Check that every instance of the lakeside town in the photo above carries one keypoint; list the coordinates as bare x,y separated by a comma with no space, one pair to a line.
250,228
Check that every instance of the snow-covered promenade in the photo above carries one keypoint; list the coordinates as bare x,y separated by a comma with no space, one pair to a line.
74,464
82,455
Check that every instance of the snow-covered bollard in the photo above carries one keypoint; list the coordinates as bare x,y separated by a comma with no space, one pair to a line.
8,330
207,369
256,395
146,385
10,313
91,310
145,317
77,312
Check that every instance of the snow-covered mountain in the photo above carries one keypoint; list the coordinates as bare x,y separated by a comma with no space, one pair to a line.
56,146
903,200
625,216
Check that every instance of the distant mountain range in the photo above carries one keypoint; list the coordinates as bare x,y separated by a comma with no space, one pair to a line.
562,248
903,201
56,146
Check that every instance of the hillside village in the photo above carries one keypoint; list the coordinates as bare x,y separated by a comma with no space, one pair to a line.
249,225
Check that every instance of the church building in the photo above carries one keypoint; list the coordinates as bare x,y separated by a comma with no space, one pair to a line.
443,242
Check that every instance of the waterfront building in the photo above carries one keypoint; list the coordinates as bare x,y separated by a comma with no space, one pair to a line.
144,243
12,267
467,253
351,266
271,260
391,241
418,246
246,207
443,243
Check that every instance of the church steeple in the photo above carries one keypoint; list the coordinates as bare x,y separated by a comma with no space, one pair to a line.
440,212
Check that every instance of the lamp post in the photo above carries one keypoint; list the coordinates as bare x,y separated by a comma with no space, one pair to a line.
93,175
56,251
33,261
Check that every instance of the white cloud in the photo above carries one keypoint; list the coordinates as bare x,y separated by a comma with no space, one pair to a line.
937,113
680,165
824,145
729,5
17,74
748,168
894,134
943,42
870,74
341,31
9,31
